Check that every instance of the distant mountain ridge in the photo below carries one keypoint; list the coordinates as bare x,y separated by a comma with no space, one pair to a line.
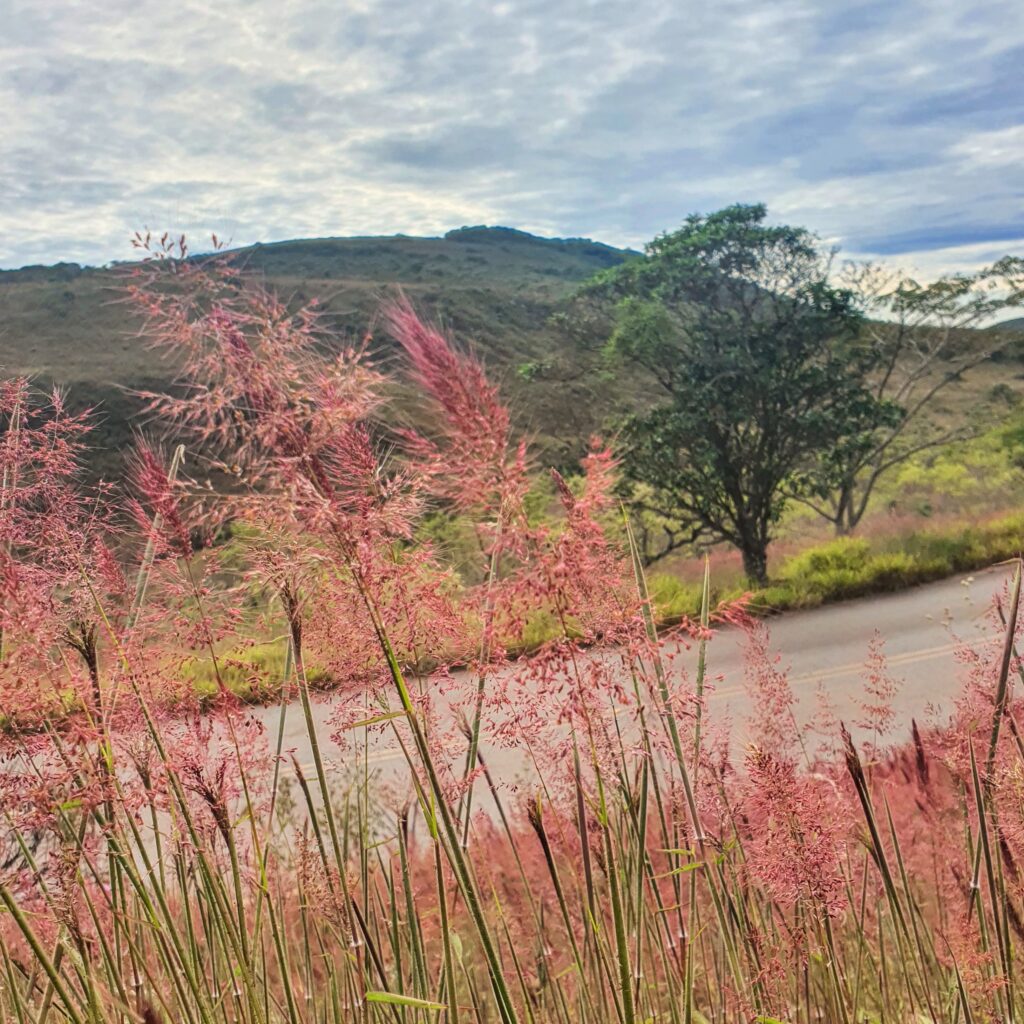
496,287
343,253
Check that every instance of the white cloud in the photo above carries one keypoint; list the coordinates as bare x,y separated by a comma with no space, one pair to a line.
894,128
1003,148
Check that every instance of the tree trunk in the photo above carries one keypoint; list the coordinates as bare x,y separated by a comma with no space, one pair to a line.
857,509
851,506
844,506
755,564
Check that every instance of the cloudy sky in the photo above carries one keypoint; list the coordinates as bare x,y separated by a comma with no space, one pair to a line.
893,128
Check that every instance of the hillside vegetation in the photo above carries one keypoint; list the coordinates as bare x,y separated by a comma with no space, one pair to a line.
68,324
500,290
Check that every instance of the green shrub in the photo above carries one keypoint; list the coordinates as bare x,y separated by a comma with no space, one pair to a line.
837,566
847,567
1003,538
540,627
843,568
970,548
672,597
890,572
839,555
780,597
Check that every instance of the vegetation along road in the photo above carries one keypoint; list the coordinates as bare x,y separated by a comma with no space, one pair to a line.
921,631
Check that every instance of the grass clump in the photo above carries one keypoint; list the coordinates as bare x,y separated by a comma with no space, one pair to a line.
252,673
853,567
843,568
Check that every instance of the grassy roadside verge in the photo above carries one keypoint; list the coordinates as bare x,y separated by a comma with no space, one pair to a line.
852,567
839,570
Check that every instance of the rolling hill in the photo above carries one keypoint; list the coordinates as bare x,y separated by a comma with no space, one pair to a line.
496,287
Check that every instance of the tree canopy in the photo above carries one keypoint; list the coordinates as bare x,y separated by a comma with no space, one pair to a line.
924,337
757,367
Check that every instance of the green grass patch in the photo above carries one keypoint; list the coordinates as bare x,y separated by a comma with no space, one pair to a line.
254,674
850,567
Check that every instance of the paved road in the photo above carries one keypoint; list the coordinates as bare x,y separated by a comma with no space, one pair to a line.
920,628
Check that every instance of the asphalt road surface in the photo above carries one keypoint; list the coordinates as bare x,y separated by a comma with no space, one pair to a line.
921,629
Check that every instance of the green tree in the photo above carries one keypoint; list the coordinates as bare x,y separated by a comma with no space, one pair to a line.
757,371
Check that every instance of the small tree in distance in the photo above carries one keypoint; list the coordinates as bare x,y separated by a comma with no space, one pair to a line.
754,353
924,337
